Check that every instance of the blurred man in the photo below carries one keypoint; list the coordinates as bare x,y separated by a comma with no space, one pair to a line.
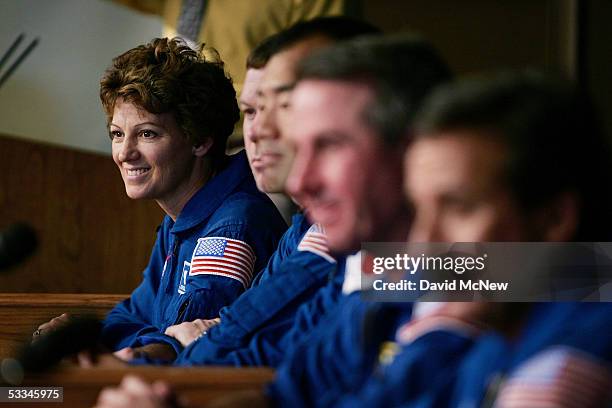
518,158
500,141
483,167
347,172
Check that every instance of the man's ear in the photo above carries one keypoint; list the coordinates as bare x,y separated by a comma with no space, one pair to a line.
203,148
560,218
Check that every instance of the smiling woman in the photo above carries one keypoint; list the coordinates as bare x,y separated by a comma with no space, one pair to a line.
170,111
155,158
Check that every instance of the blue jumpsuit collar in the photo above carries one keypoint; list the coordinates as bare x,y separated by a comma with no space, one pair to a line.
204,203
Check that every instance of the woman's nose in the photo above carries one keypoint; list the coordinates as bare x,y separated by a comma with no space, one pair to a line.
128,150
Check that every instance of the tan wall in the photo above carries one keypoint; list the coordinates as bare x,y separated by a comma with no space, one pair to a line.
53,96
477,35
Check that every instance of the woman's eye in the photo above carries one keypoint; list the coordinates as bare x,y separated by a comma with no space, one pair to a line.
114,134
249,112
148,134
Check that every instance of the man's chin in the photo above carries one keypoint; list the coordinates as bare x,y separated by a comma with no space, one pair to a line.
269,185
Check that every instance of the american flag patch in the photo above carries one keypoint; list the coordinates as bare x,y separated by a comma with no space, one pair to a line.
560,377
410,331
223,257
315,241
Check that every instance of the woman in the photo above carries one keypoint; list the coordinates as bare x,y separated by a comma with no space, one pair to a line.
170,111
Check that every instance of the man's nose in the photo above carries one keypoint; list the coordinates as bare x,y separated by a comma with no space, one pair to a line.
265,125
425,228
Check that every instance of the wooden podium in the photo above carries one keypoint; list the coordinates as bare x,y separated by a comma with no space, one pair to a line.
198,384
21,313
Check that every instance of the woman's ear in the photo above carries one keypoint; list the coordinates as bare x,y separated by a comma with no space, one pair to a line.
203,148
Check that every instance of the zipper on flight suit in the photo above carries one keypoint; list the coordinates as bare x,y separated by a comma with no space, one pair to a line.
168,273
182,310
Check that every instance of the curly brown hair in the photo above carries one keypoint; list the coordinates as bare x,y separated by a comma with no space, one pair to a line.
166,75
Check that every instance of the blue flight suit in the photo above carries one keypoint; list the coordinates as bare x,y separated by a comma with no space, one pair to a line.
445,365
310,373
563,354
227,214
254,329
286,247
578,333
339,366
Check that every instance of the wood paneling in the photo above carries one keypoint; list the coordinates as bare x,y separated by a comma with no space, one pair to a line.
93,238
22,313
200,385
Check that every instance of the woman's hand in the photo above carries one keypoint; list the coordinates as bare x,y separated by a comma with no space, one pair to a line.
187,332
51,325
134,392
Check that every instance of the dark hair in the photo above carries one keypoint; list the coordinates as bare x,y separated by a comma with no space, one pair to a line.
401,70
336,28
168,76
261,54
553,136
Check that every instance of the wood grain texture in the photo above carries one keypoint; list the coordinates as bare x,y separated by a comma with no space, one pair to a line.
93,238
199,384
21,314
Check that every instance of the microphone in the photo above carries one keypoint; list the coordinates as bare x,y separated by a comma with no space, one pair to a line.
17,242
79,334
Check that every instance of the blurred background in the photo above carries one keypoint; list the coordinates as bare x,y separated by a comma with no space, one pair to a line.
55,168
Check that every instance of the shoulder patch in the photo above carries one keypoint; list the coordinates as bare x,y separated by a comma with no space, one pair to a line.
410,331
558,377
315,241
223,256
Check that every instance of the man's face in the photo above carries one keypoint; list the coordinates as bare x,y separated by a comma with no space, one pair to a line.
269,154
247,104
343,174
455,183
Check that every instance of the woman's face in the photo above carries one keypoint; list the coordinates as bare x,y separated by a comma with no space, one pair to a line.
154,157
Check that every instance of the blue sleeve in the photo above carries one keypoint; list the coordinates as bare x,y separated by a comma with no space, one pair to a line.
580,327
205,294
338,366
286,247
310,314
176,295
421,375
201,262
328,360
251,327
